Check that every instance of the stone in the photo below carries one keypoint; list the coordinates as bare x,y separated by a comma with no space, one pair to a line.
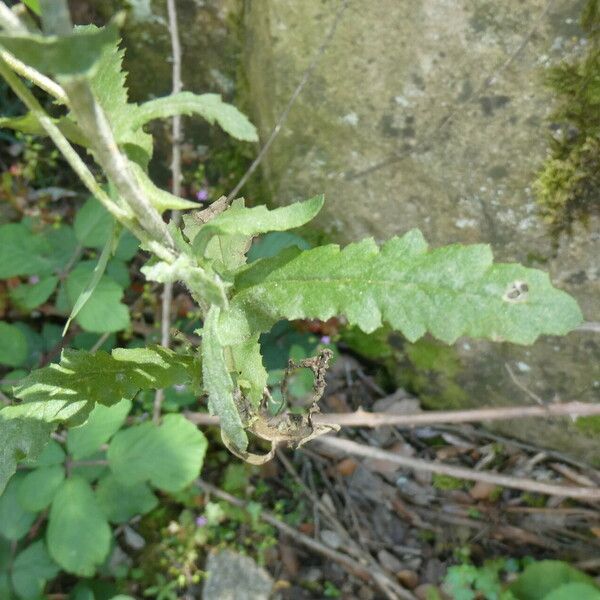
433,115
232,576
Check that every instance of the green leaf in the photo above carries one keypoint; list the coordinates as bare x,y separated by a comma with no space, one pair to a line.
78,534
29,124
15,521
33,5
543,577
218,383
208,106
93,224
31,296
93,282
38,487
32,568
74,54
574,591
103,310
102,424
121,502
273,243
51,455
169,455
238,219
60,391
21,438
13,345
200,282
449,292
160,199
25,253
248,366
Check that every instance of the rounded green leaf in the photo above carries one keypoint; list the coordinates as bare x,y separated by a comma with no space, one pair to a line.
103,312
31,569
29,297
13,345
51,455
15,521
93,224
543,577
121,502
102,424
38,487
78,534
169,456
574,591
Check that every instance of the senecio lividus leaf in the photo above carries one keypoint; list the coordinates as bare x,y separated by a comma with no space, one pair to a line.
449,292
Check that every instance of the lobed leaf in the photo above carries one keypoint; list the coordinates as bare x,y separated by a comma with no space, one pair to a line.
238,219
21,438
209,106
449,292
74,54
218,383
70,389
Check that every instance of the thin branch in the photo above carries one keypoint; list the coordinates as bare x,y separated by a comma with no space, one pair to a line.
416,464
10,21
593,326
349,563
522,387
362,418
286,111
167,295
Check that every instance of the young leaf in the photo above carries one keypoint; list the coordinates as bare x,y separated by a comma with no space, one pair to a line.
32,568
30,296
21,438
30,125
15,521
13,345
60,391
78,534
248,365
169,455
450,291
252,221
74,54
209,106
218,383
102,424
160,199
38,487
101,309
92,284
200,282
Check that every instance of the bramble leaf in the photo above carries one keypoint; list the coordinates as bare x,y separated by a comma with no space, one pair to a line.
70,389
169,455
209,106
218,383
449,292
74,511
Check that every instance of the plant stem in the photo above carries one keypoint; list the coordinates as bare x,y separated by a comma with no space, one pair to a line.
167,295
62,143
